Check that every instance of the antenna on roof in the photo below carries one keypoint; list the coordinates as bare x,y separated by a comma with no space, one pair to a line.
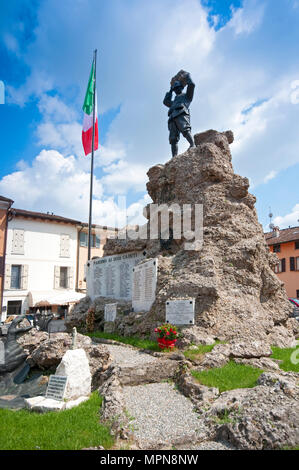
271,225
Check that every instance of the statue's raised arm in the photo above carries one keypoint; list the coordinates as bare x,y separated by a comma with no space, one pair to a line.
190,88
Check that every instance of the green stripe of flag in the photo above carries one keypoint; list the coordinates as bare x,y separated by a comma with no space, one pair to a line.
88,101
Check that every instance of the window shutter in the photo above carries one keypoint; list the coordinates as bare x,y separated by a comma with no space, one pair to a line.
18,242
24,277
70,282
64,246
292,264
1,266
7,277
56,277
283,265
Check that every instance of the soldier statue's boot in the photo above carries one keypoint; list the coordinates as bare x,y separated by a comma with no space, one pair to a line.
189,137
174,149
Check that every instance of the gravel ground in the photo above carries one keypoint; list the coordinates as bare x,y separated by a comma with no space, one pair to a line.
161,413
126,356
208,445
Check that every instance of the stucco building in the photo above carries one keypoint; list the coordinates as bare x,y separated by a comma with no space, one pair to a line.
41,259
99,236
285,243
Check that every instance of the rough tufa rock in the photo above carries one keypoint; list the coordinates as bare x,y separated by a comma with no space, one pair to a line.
49,354
231,277
32,339
263,417
79,313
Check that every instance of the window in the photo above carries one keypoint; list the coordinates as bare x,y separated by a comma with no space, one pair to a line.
281,267
63,277
15,280
95,240
83,239
297,294
294,264
14,307
297,245
276,248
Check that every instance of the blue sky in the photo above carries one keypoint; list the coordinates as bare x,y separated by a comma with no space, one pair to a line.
242,55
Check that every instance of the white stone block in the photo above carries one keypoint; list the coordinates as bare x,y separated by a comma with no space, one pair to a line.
74,365
30,403
43,405
72,403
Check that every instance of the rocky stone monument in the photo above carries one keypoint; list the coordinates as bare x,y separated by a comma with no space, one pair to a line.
231,278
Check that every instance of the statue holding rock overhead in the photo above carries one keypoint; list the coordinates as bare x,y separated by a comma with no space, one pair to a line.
179,114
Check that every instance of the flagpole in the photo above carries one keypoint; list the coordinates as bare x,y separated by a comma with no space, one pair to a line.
92,155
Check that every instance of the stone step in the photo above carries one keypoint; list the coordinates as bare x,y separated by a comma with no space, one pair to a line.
152,372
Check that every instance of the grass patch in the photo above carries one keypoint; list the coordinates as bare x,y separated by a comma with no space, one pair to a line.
200,351
132,340
285,356
229,377
71,429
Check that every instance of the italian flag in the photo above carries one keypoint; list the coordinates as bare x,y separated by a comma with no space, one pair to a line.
89,101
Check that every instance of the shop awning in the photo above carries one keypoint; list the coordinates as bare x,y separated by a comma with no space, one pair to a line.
39,298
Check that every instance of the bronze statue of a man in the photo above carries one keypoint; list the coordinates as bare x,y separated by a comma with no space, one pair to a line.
179,114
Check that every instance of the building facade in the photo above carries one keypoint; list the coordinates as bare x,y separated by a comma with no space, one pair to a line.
5,205
99,236
285,243
40,267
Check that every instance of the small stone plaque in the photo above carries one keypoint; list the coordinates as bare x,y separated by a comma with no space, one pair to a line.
56,387
180,312
110,312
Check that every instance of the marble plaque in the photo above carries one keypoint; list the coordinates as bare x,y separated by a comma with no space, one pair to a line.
110,312
144,285
180,312
112,276
56,387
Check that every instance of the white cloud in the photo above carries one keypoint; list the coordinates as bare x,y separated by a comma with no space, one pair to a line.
123,176
270,176
245,20
143,44
291,219
59,184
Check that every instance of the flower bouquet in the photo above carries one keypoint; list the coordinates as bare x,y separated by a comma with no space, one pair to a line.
167,336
